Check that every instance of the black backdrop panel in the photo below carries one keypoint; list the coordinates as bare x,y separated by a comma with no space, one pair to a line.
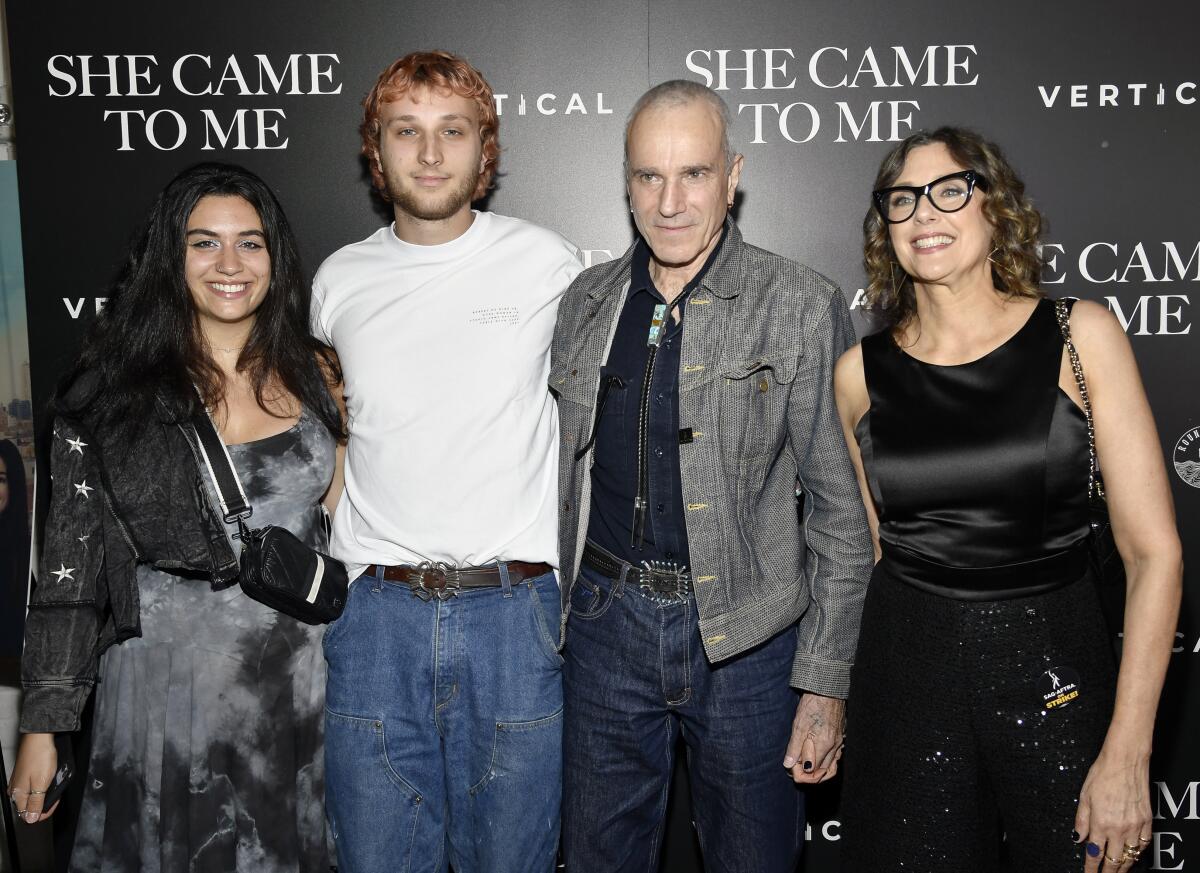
1095,103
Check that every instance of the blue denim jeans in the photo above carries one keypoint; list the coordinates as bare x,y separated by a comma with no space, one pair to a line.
443,729
636,677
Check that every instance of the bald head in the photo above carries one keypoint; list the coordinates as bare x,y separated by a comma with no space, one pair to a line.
680,177
678,93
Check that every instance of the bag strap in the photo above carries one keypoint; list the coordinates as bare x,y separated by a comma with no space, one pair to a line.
220,469
1062,311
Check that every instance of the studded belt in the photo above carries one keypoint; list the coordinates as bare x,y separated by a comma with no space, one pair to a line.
441,580
660,580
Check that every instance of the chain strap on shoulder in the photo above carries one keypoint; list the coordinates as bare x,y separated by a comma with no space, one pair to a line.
1062,311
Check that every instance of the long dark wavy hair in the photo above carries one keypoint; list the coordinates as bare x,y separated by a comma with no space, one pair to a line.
1016,226
146,347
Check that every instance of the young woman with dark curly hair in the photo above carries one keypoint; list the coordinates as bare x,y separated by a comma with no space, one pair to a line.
984,697
207,738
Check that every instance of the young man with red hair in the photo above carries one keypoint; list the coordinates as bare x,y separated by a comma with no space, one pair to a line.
444,703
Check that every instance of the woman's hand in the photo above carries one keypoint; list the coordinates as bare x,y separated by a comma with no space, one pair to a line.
817,738
37,760
1114,812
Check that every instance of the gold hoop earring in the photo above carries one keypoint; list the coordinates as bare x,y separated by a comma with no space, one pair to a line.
998,267
892,273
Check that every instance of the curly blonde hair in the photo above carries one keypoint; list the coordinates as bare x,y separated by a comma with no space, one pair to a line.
1016,225
440,71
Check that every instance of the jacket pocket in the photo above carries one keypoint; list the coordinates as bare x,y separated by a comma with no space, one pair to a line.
754,400
781,366
574,381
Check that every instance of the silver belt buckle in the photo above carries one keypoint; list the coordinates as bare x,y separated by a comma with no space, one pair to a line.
438,579
675,576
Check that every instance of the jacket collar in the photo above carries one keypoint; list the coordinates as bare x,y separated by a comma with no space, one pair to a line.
723,278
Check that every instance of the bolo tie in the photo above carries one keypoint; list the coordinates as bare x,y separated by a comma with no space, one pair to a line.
654,339
641,502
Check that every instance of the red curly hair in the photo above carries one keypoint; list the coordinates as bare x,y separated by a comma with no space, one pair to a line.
440,71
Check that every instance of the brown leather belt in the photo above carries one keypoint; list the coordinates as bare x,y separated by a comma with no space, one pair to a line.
440,580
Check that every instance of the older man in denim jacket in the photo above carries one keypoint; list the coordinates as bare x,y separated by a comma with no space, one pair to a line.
694,382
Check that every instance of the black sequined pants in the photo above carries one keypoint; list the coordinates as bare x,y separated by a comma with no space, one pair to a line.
962,754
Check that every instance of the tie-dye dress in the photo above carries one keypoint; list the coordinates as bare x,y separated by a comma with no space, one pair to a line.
207,738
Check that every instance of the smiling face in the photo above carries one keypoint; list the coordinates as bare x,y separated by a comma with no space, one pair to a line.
430,154
679,186
941,248
227,266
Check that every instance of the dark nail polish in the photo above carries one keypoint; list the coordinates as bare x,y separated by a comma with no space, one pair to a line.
807,766
1093,850
1074,836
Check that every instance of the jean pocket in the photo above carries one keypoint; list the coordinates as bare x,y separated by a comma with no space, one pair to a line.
526,757
588,600
373,811
337,628
546,602
359,743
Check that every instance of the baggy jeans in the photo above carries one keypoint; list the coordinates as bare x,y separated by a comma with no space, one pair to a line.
443,729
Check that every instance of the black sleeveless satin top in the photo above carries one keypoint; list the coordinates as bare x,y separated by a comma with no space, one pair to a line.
983,464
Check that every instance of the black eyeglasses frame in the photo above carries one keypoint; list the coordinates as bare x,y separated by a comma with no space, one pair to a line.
880,197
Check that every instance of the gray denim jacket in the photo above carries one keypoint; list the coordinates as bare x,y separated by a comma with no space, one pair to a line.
760,339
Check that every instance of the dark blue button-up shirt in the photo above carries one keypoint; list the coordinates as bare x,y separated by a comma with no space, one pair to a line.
615,471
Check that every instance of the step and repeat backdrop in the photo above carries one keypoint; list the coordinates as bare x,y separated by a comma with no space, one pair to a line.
1096,104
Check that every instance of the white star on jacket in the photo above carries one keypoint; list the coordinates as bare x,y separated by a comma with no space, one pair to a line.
84,489
63,572
76,445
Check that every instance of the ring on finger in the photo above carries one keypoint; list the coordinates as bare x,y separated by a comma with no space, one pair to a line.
1120,860
1142,839
34,793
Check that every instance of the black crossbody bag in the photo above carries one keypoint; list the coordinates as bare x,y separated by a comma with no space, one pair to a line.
277,568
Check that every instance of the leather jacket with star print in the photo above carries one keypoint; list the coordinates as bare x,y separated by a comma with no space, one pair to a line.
112,507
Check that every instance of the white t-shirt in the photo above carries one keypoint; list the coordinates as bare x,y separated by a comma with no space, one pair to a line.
445,349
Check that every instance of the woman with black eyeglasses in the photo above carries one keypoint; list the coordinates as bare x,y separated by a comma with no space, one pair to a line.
988,722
